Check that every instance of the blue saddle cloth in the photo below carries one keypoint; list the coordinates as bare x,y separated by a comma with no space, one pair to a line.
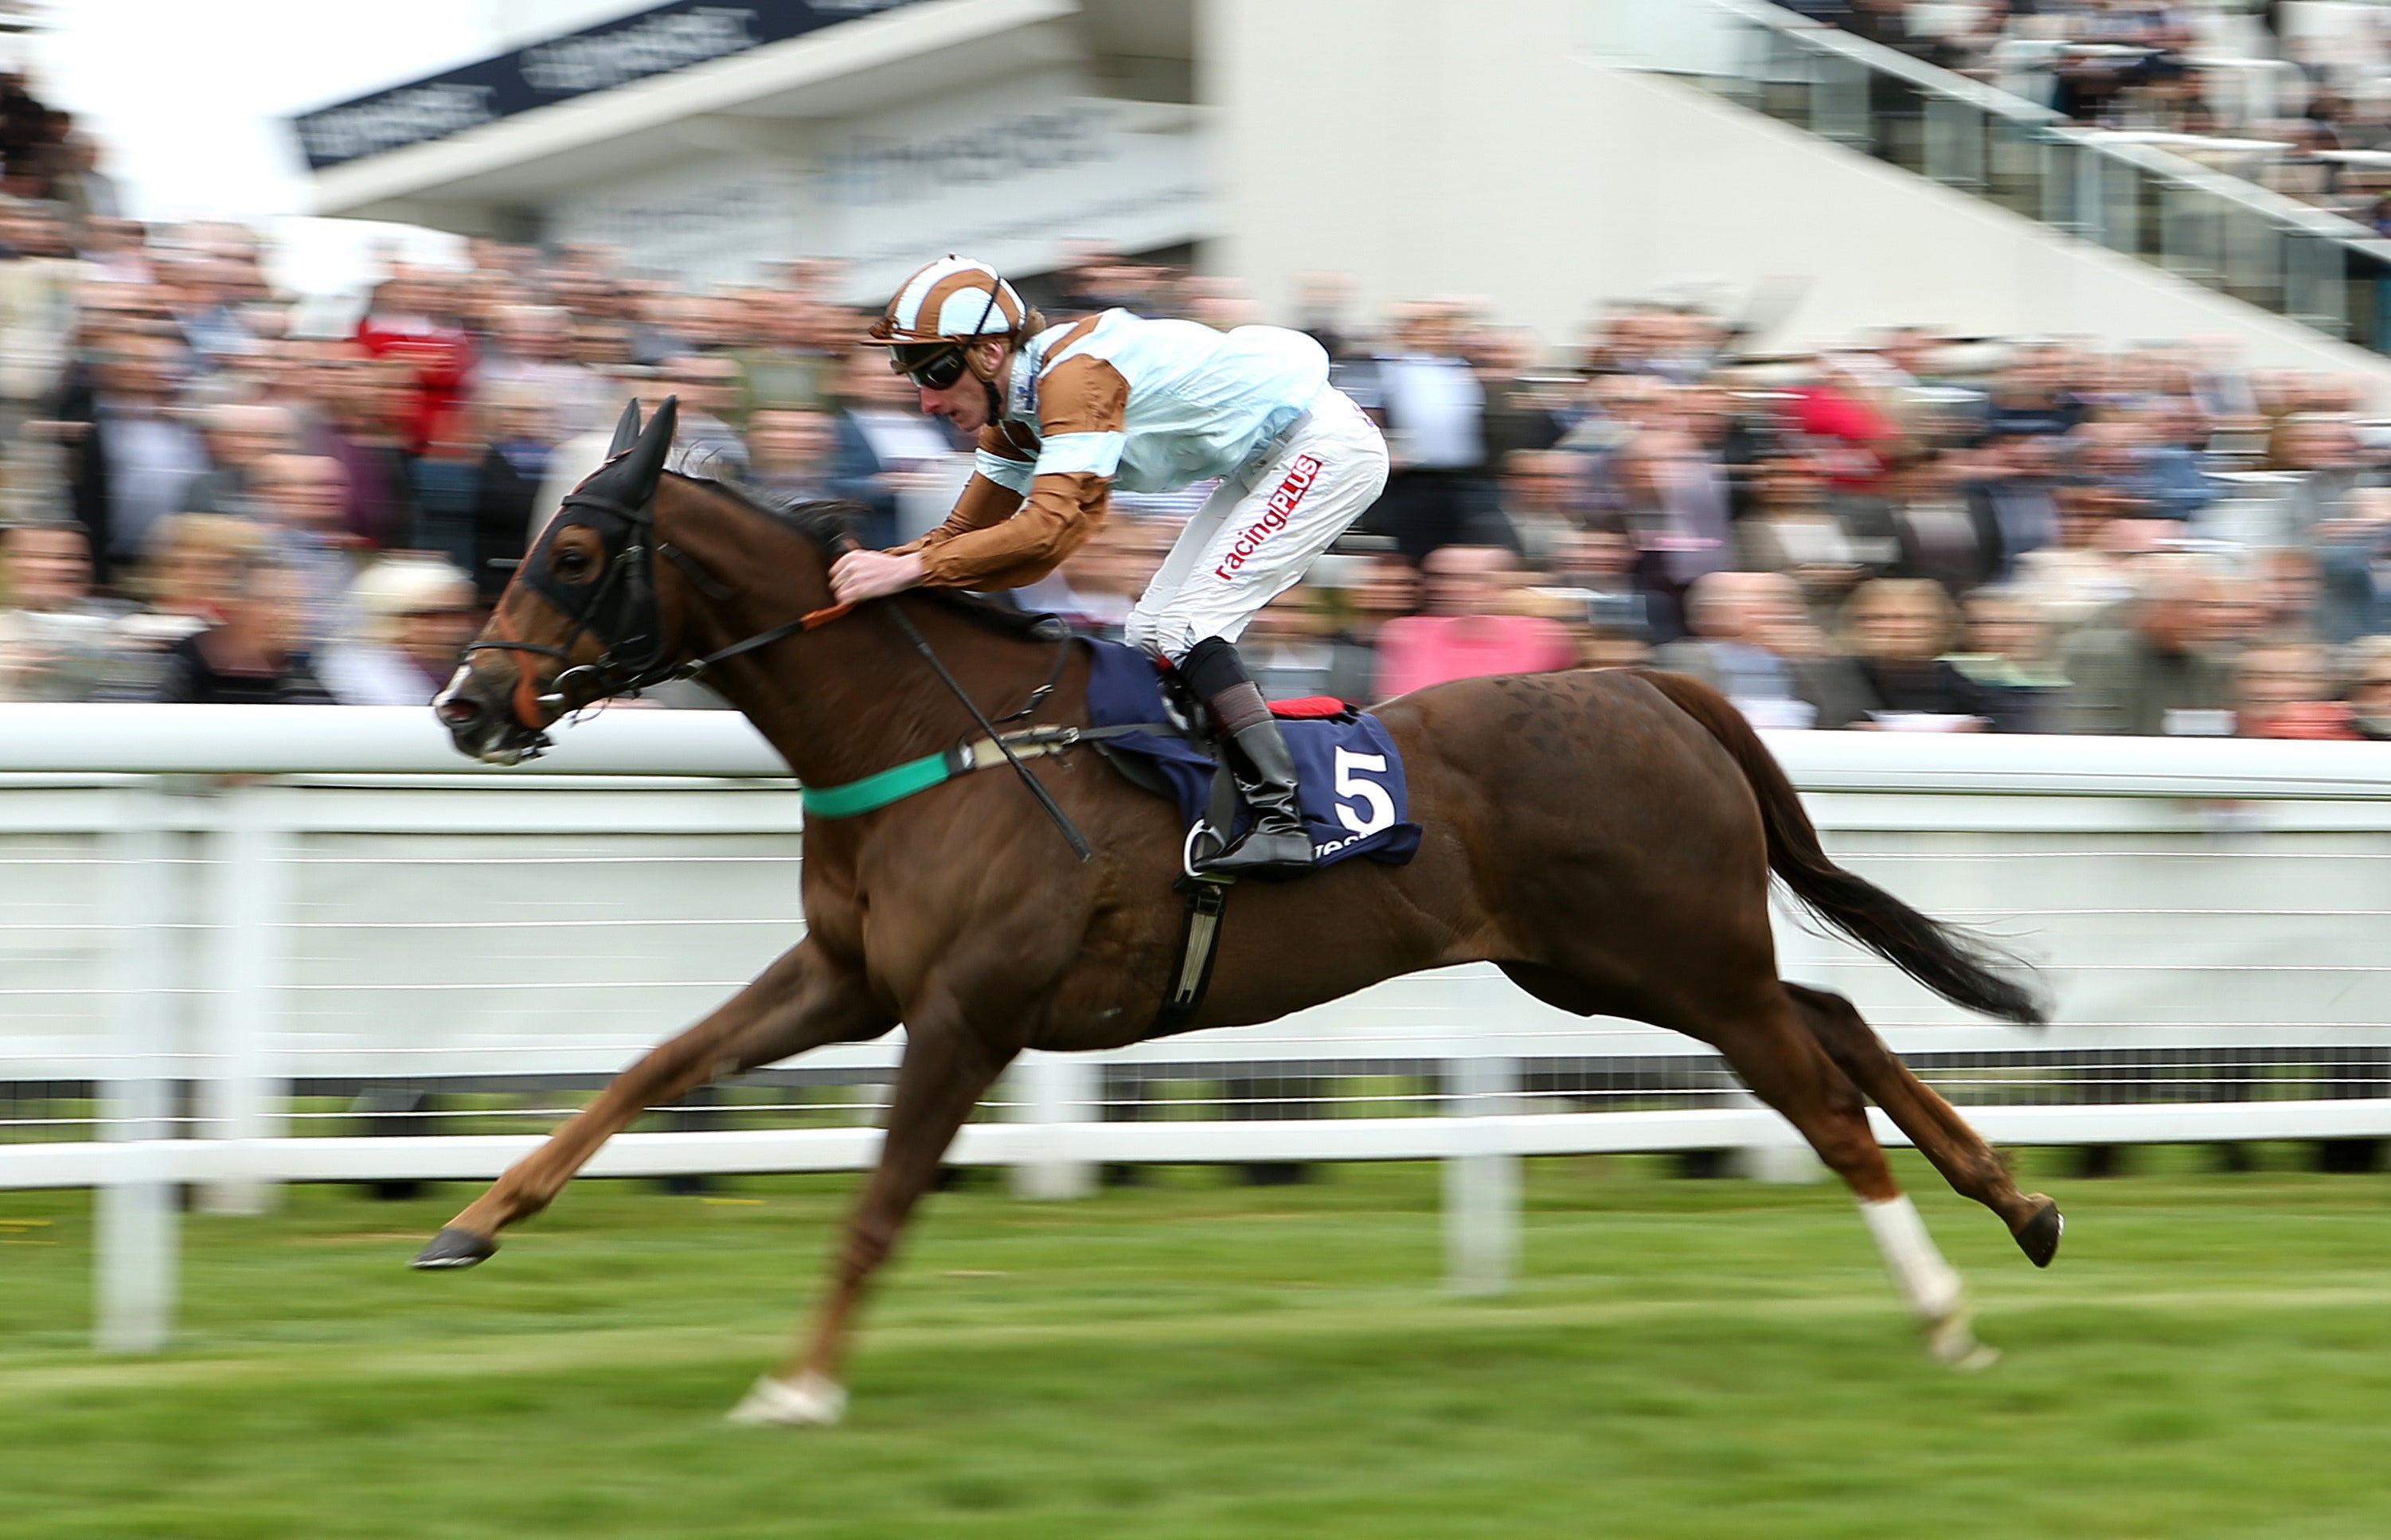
1351,773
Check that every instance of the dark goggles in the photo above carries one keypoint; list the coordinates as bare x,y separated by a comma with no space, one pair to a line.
932,366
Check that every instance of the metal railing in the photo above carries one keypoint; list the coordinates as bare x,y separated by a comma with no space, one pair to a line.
393,964
2219,231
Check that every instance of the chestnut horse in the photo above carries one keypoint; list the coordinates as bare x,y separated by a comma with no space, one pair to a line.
1606,837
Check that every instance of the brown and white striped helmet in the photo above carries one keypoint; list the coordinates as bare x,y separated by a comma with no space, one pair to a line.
953,299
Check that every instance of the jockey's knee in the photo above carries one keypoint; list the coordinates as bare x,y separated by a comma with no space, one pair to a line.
1151,636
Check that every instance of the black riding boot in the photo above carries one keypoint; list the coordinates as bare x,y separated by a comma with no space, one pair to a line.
1275,844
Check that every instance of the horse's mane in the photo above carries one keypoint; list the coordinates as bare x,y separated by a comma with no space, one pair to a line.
828,521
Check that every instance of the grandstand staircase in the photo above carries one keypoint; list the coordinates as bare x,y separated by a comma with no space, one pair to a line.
2217,253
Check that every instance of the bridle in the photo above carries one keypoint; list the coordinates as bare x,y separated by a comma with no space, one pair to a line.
621,610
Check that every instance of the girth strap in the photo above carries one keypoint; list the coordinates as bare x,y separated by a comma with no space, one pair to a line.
899,782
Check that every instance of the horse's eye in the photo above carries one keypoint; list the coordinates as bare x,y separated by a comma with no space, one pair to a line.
571,565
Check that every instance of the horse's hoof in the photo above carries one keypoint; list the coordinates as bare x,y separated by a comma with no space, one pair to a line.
812,1402
454,1248
2038,1237
1952,1340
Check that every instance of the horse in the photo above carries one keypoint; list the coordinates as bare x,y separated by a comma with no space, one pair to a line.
1605,837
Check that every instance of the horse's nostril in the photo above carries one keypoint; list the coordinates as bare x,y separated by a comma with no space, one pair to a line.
459,711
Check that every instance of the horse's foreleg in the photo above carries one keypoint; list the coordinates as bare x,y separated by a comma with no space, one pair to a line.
946,1070
802,1001
1932,1124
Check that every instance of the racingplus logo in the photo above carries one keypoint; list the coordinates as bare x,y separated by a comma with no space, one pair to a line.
1281,506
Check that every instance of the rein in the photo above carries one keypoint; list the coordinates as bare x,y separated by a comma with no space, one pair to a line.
630,569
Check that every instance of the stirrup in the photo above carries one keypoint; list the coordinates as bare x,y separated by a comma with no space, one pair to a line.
1220,865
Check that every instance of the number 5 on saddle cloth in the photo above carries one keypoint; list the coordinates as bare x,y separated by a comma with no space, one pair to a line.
1347,764
1349,778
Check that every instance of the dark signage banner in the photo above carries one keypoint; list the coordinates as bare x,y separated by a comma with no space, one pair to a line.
652,42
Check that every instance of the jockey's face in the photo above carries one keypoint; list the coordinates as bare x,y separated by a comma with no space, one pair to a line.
964,402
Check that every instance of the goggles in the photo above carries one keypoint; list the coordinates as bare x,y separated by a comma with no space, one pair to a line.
932,366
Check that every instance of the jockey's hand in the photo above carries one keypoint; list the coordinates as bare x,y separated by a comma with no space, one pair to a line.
861,575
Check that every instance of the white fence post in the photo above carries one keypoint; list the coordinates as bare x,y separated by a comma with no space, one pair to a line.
246,907
1053,1089
136,1221
1482,1191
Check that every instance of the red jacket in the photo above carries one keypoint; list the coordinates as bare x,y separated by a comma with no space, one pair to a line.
443,359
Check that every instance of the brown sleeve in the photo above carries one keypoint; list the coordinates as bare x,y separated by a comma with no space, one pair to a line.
1077,395
983,502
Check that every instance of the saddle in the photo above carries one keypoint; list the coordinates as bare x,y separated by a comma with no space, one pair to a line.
1147,725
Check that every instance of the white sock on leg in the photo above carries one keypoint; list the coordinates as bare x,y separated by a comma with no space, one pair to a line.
1932,1284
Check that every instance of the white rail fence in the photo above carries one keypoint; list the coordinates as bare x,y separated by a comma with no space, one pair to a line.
259,931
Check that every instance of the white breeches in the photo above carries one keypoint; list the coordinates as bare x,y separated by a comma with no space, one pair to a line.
1257,534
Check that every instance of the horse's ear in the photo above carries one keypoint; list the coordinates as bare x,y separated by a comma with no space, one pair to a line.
627,429
646,461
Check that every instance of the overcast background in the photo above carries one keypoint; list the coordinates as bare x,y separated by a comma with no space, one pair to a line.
192,118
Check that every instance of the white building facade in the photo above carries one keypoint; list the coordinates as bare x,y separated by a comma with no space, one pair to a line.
1511,151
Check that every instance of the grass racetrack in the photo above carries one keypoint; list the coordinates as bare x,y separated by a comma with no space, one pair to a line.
2210,1356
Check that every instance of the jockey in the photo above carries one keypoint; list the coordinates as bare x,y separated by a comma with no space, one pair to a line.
1066,413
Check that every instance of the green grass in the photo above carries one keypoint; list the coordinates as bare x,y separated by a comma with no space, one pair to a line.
1683,1359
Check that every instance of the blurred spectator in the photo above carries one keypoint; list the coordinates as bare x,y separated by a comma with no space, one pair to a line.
256,656
1748,643
1291,656
88,193
707,384
1898,629
2027,398
2007,656
2280,692
370,406
507,489
1932,521
1536,493
2370,689
789,451
2159,673
1385,588
794,363
1433,408
2012,502
190,568
199,294
2087,573
1674,499
1790,530
57,642
2351,551
137,456
883,440
301,497
409,322
37,320
1841,413
1466,631
532,350
412,617
236,436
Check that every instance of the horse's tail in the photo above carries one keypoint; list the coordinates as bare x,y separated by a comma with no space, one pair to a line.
1961,967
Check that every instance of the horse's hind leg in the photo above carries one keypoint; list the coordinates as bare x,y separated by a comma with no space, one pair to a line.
1785,1067
803,1001
1932,1124
946,1070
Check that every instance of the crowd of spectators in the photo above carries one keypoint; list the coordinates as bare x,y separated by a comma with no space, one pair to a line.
2294,96
209,494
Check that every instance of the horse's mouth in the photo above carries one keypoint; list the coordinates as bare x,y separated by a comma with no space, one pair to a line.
479,732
